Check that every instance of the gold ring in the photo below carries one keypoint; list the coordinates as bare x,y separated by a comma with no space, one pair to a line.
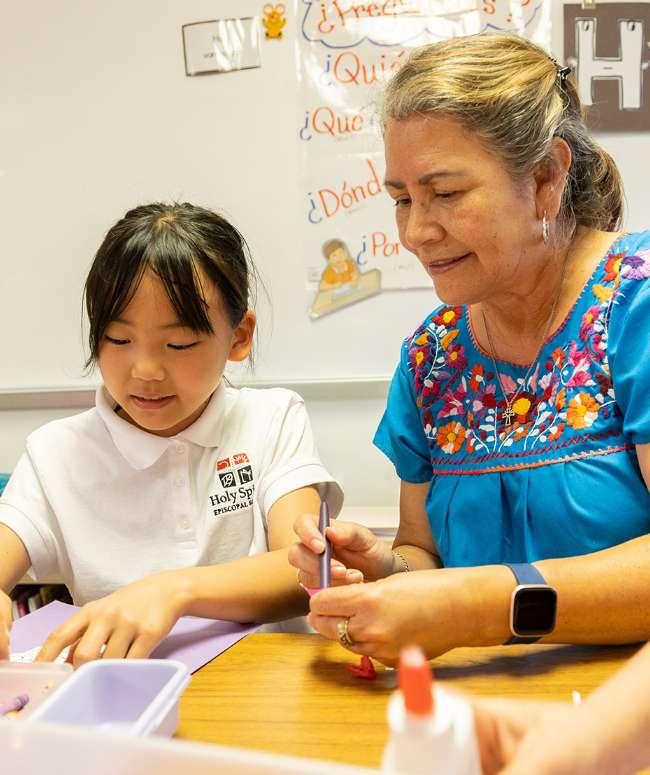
344,636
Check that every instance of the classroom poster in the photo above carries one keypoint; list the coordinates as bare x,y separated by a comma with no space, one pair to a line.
607,48
346,51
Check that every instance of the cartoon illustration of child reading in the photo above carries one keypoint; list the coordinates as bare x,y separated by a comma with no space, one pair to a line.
341,268
341,282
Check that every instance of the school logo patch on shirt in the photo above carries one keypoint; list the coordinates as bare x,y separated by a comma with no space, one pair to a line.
235,485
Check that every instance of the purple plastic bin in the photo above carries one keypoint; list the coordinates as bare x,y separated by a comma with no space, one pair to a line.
137,697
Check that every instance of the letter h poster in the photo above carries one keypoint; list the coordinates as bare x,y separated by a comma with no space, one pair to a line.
607,47
346,52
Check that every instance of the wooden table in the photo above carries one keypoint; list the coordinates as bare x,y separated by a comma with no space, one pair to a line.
292,694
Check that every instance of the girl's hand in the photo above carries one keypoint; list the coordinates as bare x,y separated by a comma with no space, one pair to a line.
384,616
356,552
129,623
5,624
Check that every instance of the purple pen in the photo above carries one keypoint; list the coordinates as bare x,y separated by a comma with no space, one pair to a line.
18,703
325,557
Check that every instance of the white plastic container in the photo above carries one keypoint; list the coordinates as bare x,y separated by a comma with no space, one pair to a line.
50,748
135,696
38,680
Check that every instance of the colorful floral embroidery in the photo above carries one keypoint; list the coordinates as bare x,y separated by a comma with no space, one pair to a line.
571,390
448,316
450,437
636,267
455,357
613,266
603,292
583,411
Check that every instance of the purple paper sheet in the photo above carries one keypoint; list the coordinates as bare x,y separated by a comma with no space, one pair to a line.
192,640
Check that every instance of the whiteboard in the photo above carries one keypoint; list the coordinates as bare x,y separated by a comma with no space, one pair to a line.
97,115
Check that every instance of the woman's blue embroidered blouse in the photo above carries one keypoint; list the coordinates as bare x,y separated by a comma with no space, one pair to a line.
563,478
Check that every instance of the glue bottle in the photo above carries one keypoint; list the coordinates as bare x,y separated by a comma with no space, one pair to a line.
431,731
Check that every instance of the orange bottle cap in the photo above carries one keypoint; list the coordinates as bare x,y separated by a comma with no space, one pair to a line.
416,681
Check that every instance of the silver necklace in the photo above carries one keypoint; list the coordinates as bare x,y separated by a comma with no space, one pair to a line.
508,413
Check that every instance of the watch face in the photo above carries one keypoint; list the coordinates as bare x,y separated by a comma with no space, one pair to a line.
533,611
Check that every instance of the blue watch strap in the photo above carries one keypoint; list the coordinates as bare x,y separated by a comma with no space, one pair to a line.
525,573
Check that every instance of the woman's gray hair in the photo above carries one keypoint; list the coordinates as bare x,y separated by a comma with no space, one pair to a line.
516,99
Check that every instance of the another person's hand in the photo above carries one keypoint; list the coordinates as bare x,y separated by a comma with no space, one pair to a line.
384,616
129,623
519,737
572,742
5,624
501,725
357,553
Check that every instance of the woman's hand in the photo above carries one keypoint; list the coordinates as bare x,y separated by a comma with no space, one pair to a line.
356,552
130,622
420,608
5,624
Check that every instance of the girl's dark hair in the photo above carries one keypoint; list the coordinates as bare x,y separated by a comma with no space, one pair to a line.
174,241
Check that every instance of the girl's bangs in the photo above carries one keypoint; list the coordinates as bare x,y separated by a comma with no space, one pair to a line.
182,282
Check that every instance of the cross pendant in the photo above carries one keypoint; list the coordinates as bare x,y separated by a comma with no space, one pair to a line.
507,415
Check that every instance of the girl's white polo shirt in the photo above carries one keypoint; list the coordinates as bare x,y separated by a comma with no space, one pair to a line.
101,503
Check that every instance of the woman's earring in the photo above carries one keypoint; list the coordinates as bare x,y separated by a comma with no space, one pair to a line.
545,227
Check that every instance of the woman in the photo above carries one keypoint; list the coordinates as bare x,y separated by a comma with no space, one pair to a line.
517,418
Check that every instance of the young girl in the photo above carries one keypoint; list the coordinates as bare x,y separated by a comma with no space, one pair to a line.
176,494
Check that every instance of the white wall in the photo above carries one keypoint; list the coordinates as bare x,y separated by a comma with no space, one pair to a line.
16,425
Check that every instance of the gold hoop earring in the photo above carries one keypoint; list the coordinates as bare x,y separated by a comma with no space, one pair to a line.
545,227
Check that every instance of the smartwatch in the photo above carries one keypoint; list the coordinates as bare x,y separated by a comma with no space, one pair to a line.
533,606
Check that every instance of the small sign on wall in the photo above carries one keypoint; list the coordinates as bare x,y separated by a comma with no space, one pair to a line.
221,46
607,47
